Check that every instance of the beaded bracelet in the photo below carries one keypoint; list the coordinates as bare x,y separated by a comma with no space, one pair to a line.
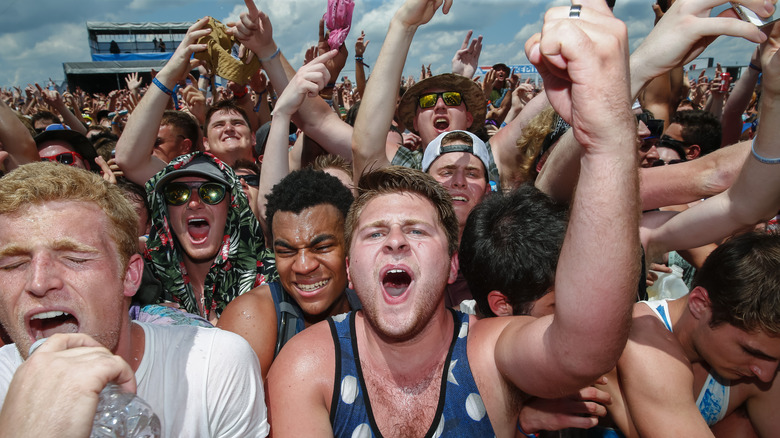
760,158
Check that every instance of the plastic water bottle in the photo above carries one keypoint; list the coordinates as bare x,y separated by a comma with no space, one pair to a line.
120,414
668,286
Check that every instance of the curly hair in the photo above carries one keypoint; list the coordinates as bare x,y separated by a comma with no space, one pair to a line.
303,189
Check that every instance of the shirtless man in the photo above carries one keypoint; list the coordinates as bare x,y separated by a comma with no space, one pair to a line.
402,239
722,340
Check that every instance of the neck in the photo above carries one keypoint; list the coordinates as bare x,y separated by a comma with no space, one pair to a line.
130,346
409,361
684,325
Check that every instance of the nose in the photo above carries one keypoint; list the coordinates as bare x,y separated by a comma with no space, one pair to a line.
194,202
764,371
42,276
440,103
652,154
458,179
396,240
304,263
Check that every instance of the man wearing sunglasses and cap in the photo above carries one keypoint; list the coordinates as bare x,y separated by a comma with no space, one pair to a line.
59,143
206,247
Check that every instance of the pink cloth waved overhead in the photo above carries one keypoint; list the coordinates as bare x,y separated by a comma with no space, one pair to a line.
338,19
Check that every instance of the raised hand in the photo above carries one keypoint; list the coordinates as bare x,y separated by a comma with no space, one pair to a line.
254,30
465,61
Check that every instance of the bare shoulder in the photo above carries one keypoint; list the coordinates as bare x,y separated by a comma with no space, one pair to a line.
300,384
255,304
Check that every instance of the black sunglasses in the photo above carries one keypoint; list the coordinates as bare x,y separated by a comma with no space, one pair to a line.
658,163
65,158
665,139
178,193
250,180
450,98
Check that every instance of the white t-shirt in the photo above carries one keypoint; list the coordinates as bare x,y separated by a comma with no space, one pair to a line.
200,382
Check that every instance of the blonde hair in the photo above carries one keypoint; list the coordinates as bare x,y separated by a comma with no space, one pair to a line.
530,144
38,183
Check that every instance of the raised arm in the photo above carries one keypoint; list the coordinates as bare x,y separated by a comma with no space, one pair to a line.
315,117
738,101
755,195
360,73
306,84
378,104
16,139
584,62
135,146
683,33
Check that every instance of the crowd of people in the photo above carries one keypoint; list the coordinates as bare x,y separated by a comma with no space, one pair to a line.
293,254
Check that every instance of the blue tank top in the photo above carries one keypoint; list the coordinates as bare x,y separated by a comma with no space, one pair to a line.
460,411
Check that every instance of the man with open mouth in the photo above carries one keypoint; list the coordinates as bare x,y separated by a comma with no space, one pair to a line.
69,267
206,247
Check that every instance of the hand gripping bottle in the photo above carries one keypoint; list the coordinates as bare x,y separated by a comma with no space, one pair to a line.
120,414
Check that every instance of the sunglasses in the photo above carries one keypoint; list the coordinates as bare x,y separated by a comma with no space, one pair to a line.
65,158
250,180
450,98
658,163
178,193
672,143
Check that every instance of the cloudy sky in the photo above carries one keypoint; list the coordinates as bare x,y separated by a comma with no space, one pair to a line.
37,36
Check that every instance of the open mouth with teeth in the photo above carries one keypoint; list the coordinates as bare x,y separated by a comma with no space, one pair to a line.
198,229
46,324
441,124
459,199
311,287
396,281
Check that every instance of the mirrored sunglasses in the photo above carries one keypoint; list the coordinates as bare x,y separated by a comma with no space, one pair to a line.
178,193
450,98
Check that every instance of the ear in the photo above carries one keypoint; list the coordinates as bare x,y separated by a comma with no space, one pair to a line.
693,151
349,276
133,275
185,147
206,144
469,120
454,267
499,304
699,303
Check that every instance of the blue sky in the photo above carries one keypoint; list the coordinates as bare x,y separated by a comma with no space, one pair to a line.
39,35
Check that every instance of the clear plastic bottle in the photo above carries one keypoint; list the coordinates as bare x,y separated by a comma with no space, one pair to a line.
668,286
120,414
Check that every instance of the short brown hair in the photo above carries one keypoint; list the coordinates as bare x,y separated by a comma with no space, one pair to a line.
38,183
187,126
229,105
398,179
742,280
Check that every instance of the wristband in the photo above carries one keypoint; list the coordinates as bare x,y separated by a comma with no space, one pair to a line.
755,67
360,60
275,54
167,91
760,158
529,435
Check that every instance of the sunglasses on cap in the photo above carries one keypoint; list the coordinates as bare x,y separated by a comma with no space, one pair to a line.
178,193
250,180
450,98
65,158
